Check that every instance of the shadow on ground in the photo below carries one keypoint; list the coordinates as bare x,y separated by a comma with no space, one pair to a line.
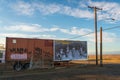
74,72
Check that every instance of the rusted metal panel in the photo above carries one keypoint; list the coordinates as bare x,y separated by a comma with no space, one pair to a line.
44,51
25,48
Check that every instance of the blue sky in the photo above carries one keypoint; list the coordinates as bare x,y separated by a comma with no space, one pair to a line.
61,19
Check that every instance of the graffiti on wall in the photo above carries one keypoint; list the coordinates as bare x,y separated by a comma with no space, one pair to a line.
22,53
18,50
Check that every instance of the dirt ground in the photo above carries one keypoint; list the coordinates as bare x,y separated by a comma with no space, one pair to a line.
77,71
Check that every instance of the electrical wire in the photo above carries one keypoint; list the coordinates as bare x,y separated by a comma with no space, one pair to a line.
82,35
111,28
94,32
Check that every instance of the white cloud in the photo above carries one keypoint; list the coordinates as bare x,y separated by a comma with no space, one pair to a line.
24,27
54,29
47,9
23,8
46,36
65,31
13,35
76,12
107,37
76,31
84,32
110,9
30,28
42,36
73,31
2,40
39,28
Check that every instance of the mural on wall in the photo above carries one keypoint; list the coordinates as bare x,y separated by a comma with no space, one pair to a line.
70,50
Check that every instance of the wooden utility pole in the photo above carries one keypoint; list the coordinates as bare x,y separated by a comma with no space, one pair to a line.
95,24
101,64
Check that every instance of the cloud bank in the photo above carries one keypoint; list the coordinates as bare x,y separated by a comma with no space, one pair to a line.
110,9
37,29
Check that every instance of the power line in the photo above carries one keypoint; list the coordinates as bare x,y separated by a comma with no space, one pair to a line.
111,28
81,35
94,32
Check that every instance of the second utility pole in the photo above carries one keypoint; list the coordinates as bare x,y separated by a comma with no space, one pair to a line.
95,23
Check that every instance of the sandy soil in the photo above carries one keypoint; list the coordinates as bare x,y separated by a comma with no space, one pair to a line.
84,70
